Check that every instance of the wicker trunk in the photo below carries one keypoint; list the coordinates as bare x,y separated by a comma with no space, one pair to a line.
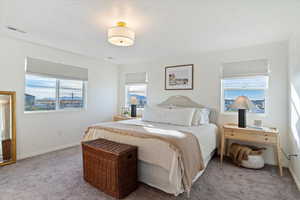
110,166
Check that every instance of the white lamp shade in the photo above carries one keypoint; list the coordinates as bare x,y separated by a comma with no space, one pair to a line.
133,101
121,36
242,102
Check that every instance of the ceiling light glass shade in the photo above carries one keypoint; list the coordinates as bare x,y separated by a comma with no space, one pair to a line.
121,35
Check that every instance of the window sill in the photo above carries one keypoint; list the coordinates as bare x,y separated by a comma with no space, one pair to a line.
55,111
250,114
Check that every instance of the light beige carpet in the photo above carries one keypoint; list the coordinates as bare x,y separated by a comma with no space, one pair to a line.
58,176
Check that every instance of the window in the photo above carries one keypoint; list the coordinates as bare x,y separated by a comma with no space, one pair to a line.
254,87
40,93
71,94
139,91
136,86
53,86
45,93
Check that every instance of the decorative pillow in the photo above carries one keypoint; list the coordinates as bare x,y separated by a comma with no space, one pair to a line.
204,116
196,117
201,116
181,117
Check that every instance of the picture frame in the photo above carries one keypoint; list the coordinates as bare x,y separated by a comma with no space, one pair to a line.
179,77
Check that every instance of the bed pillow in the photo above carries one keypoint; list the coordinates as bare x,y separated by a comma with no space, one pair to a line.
196,117
182,117
204,116
153,114
201,116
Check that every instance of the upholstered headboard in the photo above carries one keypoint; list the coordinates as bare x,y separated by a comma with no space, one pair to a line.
184,101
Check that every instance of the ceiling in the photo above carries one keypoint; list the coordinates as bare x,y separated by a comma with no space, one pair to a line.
163,27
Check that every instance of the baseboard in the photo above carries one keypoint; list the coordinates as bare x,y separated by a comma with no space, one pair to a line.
297,181
21,157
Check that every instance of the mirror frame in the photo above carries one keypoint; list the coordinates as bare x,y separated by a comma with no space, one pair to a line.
13,124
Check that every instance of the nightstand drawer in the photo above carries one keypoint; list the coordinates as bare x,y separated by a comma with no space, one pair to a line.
244,136
120,117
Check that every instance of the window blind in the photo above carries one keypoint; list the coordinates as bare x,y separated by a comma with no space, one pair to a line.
55,70
245,68
136,78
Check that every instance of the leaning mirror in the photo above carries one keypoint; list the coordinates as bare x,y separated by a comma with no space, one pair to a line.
7,128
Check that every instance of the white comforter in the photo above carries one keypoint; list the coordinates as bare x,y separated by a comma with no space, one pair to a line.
159,153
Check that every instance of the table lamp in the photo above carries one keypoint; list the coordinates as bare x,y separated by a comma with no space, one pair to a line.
133,102
242,103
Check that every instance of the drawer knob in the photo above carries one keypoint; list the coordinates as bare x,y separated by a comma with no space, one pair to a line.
232,134
266,139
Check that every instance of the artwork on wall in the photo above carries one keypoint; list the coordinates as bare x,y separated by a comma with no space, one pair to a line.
179,77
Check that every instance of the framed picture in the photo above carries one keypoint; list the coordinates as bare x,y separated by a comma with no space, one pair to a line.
179,77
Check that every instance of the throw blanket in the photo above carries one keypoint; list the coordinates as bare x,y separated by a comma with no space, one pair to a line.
186,144
241,152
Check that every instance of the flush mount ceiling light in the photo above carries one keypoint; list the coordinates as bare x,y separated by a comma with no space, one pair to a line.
121,35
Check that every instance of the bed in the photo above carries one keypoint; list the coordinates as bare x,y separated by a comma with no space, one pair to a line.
159,164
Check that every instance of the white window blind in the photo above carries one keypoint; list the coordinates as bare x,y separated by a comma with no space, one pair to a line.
55,70
246,68
136,78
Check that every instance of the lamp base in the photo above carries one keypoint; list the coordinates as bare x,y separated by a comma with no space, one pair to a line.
133,110
242,118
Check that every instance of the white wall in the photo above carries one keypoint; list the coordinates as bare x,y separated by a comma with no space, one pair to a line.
294,106
207,68
43,132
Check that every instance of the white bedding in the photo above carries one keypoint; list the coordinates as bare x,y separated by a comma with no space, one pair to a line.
156,157
206,134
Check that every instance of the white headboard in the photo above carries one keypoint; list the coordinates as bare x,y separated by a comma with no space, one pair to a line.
184,101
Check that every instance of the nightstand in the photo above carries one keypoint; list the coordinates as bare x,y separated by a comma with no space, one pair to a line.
264,135
121,117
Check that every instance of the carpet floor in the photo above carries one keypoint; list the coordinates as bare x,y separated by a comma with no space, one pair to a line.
58,176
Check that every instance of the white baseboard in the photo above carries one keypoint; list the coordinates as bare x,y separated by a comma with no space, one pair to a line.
20,157
297,181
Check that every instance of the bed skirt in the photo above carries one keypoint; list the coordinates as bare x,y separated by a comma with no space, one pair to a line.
158,177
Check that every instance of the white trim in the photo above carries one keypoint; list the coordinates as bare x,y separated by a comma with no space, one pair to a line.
57,89
248,113
56,111
297,181
33,154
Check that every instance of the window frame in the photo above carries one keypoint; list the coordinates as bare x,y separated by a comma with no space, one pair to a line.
222,100
126,93
57,89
